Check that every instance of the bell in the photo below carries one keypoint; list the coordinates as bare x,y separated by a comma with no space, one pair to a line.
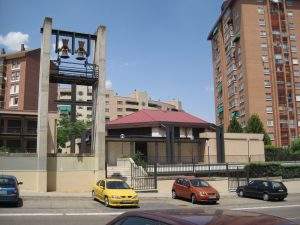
64,49
81,53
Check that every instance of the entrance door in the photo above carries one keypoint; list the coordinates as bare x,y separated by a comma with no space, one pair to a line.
141,148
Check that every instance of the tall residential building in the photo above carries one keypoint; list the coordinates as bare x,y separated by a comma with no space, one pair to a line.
19,81
255,50
116,106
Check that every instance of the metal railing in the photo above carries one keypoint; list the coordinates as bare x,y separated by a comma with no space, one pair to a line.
141,180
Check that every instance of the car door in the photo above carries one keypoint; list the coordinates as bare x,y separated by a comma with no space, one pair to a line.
97,188
186,192
179,187
250,189
261,187
101,190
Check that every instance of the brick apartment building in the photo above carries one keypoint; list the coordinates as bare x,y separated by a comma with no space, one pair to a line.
255,50
19,84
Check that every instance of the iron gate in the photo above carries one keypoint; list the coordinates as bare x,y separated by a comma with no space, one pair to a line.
141,180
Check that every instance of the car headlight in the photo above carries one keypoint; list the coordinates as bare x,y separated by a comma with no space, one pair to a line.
116,196
135,196
203,193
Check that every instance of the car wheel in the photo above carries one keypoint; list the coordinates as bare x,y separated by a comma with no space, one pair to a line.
19,203
266,197
241,193
174,195
106,201
193,199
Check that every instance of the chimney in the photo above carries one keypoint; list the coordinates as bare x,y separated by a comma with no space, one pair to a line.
2,51
22,47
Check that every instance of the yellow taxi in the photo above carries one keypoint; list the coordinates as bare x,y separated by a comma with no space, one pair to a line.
115,192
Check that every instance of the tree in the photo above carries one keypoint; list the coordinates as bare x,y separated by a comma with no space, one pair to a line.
68,129
234,126
254,125
295,146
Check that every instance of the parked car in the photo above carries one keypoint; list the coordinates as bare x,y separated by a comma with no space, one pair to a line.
9,190
263,189
195,189
196,217
115,192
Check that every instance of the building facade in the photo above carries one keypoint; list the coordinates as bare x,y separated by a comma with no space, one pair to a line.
19,81
116,106
255,50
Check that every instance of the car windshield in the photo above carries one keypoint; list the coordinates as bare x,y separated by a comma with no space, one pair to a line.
117,185
276,184
7,183
199,183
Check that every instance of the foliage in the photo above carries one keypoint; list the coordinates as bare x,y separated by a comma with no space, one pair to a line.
4,149
263,170
234,126
138,158
280,154
68,129
295,146
291,172
255,125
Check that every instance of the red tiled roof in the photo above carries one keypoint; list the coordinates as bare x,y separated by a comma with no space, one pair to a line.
157,116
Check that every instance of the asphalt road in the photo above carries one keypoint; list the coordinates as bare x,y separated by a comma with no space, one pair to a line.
77,211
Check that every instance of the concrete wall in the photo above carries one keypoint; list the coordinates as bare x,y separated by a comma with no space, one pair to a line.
236,147
117,150
65,173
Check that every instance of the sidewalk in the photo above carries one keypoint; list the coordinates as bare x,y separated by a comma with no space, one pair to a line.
164,190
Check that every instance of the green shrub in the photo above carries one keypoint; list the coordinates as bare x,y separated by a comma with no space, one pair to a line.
263,170
256,170
291,172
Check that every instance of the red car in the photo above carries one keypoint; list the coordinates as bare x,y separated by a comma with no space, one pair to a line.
195,189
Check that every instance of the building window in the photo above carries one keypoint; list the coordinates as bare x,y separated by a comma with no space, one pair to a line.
262,22
270,123
15,64
13,101
293,37
269,110
293,49
290,14
271,137
89,108
263,33
119,109
268,97
107,102
106,110
295,62
14,89
107,119
267,83
120,102
107,96
15,76
265,59
260,10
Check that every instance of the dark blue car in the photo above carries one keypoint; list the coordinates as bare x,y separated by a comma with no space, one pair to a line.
9,190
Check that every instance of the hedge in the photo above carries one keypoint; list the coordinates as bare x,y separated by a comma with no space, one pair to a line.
255,170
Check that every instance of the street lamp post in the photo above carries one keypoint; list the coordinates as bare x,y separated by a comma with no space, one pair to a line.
248,143
122,136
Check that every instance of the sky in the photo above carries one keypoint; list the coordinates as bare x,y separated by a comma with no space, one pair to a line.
158,46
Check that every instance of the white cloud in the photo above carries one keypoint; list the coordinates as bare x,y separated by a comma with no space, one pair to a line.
108,84
13,40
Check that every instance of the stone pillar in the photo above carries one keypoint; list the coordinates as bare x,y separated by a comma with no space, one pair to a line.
98,142
42,126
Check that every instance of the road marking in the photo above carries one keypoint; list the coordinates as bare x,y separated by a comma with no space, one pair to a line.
94,214
61,214
267,207
31,214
